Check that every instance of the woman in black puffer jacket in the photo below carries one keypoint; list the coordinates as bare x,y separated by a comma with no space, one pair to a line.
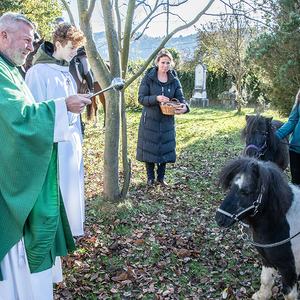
156,138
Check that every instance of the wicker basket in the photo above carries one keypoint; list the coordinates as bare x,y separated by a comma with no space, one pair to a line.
168,108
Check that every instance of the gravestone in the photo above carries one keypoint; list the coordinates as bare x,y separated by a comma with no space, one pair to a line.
199,98
228,100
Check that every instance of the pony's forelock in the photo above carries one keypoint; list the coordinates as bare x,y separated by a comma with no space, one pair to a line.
229,172
251,124
277,192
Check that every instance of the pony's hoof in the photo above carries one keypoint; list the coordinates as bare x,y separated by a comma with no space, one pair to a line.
259,296
255,297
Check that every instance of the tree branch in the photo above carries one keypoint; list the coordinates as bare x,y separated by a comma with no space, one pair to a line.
165,40
127,37
152,11
67,7
146,27
90,9
118,21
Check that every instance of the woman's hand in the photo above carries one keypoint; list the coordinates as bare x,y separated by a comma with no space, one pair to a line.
162,99
180,109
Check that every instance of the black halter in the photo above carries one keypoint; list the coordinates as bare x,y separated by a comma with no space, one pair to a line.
254,206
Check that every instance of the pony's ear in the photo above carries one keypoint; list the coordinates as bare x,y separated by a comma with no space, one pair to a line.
41,41
255,170
247,117
269,120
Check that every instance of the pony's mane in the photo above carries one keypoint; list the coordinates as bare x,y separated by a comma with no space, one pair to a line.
278,193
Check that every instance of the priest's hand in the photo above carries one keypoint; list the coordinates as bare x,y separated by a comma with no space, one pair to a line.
77,103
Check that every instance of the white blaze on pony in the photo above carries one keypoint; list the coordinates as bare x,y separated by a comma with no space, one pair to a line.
239,181
261,197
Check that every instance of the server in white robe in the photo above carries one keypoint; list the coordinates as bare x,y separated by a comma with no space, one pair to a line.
50,78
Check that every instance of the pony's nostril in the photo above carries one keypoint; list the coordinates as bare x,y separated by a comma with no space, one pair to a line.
251,152
219,219
220,222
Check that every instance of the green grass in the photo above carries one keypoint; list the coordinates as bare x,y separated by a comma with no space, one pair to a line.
142,238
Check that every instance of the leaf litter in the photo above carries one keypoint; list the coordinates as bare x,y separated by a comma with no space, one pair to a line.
166,245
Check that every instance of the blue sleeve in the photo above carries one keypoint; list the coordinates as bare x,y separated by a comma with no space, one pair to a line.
290,125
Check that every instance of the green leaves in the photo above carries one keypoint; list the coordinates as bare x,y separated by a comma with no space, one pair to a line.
42,12
276,55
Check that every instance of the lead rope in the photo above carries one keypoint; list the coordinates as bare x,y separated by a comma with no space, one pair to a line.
245,237
241,224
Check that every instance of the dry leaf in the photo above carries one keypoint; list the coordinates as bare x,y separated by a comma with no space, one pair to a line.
161,264
184,253
139,242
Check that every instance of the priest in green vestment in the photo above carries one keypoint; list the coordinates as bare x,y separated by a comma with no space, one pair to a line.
32,213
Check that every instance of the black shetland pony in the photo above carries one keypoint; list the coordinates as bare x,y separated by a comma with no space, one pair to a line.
260,197
261,142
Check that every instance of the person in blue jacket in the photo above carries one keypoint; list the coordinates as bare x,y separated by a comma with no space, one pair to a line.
293,126
156,137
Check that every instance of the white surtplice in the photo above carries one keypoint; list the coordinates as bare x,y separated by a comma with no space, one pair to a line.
51,81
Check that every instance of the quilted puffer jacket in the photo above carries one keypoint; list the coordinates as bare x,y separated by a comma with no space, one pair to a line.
156,136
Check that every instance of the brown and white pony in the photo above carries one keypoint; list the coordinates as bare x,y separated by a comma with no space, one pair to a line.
28,62
87,83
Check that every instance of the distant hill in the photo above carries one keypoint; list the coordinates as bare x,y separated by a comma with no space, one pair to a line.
144,47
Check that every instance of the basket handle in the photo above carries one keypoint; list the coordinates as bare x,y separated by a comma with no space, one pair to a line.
174,100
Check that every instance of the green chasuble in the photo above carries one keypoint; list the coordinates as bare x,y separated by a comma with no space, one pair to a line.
30,200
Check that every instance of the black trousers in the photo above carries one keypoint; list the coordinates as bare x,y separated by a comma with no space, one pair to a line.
295,167
161,170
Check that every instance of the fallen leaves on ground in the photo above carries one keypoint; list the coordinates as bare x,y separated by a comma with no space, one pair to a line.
167,245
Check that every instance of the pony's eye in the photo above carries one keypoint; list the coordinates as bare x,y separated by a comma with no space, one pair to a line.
245,193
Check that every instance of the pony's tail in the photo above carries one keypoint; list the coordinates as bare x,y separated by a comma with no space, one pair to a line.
89,112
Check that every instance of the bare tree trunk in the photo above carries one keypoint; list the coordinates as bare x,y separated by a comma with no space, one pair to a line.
113,108
112,127
111,152
125,160
124,63
239,90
